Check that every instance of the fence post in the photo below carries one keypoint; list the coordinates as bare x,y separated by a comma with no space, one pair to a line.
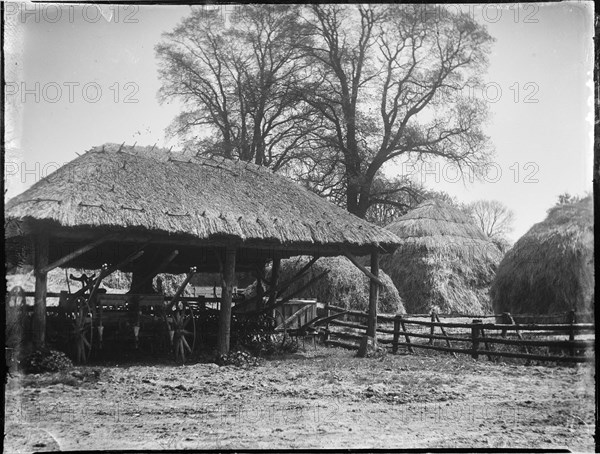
572,332
327,314
475,337
506,319
406,336
432,327
396,333
437,317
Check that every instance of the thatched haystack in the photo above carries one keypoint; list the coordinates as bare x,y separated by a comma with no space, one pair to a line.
345,285
550,269
445,261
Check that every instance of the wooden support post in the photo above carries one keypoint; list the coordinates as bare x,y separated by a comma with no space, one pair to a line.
406,336
327,314
226,298
507,319
396,333
432,328
572,332
371,335
260,291
100,327
41,286
486,343
274,279
373,296
475,337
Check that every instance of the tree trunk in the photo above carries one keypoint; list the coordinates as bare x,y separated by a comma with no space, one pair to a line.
358,196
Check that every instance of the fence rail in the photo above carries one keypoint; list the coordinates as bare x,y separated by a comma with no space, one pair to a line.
568,342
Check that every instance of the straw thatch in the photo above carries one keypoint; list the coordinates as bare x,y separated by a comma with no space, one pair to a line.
551,268
444,262
344,286
146,189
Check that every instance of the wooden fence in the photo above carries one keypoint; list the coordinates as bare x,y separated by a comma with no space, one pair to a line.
503,337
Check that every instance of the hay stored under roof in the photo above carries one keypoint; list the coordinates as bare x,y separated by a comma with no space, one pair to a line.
444,261
550,269
344,286
146,189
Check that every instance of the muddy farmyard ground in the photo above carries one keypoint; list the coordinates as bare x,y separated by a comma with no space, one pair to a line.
323,398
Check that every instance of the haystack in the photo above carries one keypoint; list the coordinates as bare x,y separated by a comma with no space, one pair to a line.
550,269
344,286
444,262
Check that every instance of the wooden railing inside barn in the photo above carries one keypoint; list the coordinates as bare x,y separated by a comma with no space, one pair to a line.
503,337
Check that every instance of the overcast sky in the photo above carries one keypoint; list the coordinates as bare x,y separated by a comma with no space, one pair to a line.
79,77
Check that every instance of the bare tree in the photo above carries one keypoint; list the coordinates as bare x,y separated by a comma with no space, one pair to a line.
330,93
238,83
493,217
378,73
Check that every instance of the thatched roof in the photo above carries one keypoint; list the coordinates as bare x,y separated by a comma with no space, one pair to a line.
550,269
142,189
445,261
345,285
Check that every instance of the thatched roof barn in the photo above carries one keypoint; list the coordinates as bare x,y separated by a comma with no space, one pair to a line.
344,285
178,210
550,269
445,261
136,191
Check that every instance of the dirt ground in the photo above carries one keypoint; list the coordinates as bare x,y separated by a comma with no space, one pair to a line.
317,398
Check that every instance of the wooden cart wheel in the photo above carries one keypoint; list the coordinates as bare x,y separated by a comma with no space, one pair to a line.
82,330
182,330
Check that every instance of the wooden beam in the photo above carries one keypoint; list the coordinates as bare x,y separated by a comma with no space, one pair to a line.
82,250
292,317
184,284
373,295
368,273
41,248
284,250
223,339
302,271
